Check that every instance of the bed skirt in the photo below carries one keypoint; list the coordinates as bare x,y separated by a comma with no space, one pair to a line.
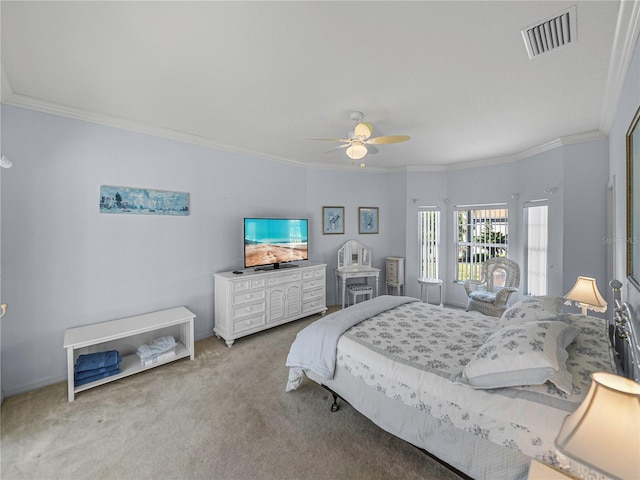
468,453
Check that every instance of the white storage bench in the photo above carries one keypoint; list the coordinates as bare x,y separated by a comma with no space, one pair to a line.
126,335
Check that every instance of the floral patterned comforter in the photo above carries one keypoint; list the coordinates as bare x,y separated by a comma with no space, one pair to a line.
416,352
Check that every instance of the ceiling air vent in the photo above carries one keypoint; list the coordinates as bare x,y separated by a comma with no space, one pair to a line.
553,32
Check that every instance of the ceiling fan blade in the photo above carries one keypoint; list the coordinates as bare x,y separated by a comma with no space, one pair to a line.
388,139
363,130
338,147
332,139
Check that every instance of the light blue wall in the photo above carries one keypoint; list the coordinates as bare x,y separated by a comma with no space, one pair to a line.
628,104
577,211
351,190
64,264
586,165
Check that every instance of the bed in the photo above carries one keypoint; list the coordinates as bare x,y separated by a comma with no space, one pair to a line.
482,394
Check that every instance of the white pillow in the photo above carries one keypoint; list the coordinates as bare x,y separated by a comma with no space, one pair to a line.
525,354
545,307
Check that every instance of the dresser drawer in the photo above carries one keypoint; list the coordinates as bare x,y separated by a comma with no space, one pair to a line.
314,273
286,278
248,323
310,294
248,310
247,297
313,305
311,284
248,284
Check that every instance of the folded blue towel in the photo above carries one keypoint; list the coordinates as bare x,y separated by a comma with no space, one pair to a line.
96,371
93,378
91,361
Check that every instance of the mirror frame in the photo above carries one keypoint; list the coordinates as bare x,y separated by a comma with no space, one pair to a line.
633,202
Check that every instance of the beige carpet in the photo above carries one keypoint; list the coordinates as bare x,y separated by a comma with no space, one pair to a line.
224,415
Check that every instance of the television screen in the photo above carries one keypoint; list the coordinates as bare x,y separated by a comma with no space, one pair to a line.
272,241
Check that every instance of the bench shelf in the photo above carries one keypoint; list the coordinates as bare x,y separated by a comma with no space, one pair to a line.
125,335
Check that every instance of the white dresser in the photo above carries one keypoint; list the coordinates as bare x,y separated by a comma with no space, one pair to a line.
394,268
253,301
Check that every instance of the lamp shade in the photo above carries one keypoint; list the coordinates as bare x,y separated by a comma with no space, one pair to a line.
356,151
585,293
603,433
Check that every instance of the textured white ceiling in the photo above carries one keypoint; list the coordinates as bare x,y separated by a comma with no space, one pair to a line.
264,77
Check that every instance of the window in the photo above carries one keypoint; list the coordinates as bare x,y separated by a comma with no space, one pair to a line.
536,233
481,233
429,241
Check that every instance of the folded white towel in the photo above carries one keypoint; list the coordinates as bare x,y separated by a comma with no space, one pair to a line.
161,357
156,347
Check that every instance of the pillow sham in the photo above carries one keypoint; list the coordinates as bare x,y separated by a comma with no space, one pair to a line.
544,307
529,353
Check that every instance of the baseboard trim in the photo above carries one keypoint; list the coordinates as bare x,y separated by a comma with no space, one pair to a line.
33,386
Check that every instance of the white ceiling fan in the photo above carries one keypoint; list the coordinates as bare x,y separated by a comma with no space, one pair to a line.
359,143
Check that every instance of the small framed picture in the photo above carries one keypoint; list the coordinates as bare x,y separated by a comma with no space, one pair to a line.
368,220
332,220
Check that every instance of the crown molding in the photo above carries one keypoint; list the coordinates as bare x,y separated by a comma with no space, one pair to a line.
624,44
22,101
487,162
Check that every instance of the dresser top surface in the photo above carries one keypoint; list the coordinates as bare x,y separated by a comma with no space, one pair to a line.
253,272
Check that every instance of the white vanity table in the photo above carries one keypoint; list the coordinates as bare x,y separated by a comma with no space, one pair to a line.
354,261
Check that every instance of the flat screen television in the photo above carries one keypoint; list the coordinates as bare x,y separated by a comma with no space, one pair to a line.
271,242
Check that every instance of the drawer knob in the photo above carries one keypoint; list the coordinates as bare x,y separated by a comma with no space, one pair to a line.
249,322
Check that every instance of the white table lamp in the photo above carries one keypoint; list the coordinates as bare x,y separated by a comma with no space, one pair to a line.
601,438
585,294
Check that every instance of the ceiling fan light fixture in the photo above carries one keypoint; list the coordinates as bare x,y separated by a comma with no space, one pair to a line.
359,143
356,150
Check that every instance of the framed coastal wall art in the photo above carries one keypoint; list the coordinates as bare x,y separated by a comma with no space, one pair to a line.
142,201
332,220
368,220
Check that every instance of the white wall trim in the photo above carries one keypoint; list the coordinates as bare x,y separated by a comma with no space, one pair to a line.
559,142
34,386
22,101
624,43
